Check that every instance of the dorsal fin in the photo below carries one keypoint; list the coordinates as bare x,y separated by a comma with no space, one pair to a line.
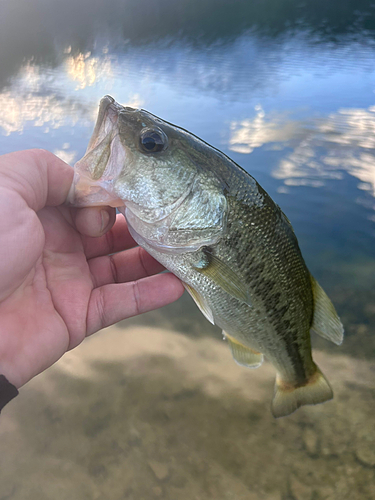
326,322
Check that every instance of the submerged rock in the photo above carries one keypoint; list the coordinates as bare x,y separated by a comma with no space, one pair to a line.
144,413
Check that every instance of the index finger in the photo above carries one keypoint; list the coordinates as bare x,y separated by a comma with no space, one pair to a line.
115,240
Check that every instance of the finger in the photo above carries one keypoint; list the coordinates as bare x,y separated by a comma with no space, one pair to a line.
38,176
112,303
130,265
93,221
115,240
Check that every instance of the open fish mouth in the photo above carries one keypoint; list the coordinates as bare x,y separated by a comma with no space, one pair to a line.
96,172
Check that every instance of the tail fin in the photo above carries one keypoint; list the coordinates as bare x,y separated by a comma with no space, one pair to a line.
288,399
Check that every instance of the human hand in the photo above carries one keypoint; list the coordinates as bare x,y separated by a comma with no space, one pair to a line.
58,281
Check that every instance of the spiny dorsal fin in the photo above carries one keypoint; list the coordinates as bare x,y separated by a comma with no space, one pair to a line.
201,303
225,277
326,322
243,355
288,399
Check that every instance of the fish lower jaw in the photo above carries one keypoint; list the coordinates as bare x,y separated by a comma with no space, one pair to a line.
157,237
157,245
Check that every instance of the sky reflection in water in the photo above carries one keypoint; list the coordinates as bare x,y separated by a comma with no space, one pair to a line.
293,106
295,111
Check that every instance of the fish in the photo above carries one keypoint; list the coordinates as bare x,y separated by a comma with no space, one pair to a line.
210,223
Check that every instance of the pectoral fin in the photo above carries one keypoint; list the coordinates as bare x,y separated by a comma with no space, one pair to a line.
326,322
225,277
201,303
243,355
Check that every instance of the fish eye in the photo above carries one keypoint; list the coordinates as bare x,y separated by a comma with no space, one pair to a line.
153,140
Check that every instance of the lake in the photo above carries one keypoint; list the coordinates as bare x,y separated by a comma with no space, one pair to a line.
154,407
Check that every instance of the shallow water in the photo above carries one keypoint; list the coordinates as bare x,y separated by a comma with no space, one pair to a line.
287,91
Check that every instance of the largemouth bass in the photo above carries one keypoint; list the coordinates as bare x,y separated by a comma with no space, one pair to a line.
212,225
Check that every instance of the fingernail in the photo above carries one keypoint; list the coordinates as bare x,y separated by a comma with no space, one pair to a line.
105,219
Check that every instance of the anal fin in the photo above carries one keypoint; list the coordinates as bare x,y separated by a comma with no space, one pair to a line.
243,355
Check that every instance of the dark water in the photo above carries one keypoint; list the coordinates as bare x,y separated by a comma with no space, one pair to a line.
285,88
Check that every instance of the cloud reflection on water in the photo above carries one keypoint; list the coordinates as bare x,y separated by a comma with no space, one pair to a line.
66,95
322,148
66,155
36,98
88,70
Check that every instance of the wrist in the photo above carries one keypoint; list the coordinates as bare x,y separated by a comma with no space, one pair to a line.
7,391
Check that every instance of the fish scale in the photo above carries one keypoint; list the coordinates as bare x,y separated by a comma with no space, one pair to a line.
263,273
211,224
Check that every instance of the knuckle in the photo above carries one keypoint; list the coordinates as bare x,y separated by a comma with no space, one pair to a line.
101,309
114,270
138,308
110,241
141,256
41,154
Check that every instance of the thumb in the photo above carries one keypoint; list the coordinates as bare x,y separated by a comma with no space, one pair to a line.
38,176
